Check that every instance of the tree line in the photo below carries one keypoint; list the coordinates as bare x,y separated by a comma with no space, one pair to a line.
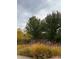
48,28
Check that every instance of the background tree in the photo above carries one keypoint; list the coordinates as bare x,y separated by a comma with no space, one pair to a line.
48,28
33,27
20,34
53,23
43,29
58,36
27,37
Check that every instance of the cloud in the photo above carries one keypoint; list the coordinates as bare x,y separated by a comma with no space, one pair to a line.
39,8
32,6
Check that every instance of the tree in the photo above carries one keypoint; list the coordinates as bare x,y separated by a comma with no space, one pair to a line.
27,36
53,23
33,27
58,35
20,34
48,28
43,29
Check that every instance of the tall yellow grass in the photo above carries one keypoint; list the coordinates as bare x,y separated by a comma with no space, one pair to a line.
38,49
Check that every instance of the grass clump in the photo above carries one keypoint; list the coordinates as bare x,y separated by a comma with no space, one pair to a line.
41,50
26,52
56,51
37,50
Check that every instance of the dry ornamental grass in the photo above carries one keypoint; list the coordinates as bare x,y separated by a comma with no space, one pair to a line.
39,50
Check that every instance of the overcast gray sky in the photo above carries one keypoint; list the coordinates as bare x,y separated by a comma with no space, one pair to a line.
39,8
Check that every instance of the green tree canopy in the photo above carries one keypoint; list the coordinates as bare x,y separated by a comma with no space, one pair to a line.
48,28
53,23
33,27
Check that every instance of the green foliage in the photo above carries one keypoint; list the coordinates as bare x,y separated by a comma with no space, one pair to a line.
58,36
23,37
52,23
20,34
47,28
27,36
33,27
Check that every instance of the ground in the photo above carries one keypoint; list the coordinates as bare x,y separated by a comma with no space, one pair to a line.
23,57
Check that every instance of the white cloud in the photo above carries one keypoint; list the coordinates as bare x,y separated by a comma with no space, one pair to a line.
28,8
42,13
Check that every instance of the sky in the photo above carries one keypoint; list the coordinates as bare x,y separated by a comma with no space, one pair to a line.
38,8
